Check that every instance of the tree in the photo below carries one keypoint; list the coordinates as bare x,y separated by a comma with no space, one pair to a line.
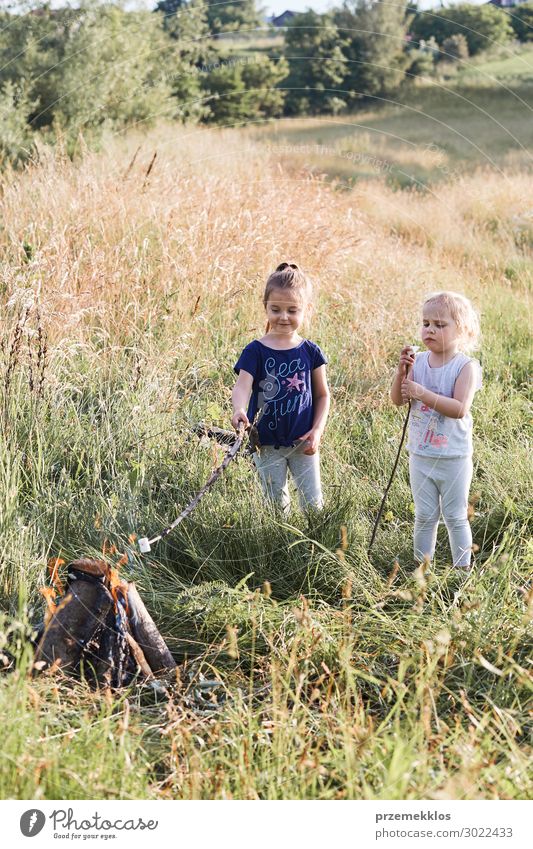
482,26
186,24
421,59
232,17
521,19
170,7
89,66
317,67
16,137
241,89
122,63
376,33
454,48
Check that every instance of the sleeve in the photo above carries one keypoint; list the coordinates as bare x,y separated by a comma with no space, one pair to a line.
248,360
479,374
477,371
318,359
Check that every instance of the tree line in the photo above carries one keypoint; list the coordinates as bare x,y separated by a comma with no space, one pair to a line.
71,71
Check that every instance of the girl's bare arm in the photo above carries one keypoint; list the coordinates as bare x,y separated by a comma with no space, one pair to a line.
240,397
454,408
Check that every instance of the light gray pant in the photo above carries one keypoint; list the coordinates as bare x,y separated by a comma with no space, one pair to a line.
272,464
441,484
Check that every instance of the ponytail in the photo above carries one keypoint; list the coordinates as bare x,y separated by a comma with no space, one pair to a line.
289,276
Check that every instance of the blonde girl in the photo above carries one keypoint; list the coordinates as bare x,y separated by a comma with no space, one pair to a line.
441,383
282,377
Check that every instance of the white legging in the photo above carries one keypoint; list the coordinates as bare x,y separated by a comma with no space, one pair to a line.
272,464
441,484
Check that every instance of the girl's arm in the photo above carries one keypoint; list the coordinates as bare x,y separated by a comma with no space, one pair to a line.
240,397
454,408
321,401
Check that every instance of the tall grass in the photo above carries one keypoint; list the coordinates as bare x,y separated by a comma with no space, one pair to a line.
126,299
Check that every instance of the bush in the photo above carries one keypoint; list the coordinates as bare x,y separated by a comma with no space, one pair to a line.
244,89
89,67
482,26
15,132
454,48
375,50
521,20
313,49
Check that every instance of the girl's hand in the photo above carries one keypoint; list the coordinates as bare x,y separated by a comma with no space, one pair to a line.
238,417
407,359
312,438
411,390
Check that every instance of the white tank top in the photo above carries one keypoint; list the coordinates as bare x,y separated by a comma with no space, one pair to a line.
433,434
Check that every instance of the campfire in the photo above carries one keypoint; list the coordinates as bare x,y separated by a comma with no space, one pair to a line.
98,626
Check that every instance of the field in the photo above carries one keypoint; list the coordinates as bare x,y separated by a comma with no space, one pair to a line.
510,64
127,295
429,135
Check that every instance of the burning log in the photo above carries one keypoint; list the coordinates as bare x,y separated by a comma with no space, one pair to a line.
100,628
77,618
148,637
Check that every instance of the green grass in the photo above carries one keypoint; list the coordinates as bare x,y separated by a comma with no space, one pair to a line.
420,137
518,65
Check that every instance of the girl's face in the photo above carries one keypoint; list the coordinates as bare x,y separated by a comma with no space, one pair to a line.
439,332
285,312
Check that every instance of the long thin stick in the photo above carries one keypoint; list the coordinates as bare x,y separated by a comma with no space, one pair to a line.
382,506
145,544
383,500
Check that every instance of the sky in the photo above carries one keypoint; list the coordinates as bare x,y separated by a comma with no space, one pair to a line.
276,7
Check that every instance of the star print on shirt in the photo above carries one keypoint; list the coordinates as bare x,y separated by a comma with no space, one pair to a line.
294,383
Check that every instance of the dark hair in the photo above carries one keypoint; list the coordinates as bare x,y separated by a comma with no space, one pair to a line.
289,276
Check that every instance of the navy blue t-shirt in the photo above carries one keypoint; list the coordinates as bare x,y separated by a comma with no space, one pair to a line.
282,387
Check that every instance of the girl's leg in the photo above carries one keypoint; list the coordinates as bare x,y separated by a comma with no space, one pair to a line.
454,491
427,506
305,469
271,464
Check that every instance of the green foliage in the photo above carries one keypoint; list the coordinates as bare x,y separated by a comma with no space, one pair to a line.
483,26
521,19
455,48
232,17
244,89
129,60
90,67
186,24
313,49
375,55
170,7
422,59
16,137
421,63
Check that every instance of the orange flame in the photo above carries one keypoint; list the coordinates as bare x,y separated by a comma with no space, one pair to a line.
108,549
118,587
53,567
49,596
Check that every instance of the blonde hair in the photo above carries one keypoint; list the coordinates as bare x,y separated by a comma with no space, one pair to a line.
463,314
288,276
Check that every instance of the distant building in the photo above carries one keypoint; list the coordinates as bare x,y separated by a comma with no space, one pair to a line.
505,4
283,19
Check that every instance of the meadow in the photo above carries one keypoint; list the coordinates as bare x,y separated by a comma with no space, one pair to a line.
128,288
